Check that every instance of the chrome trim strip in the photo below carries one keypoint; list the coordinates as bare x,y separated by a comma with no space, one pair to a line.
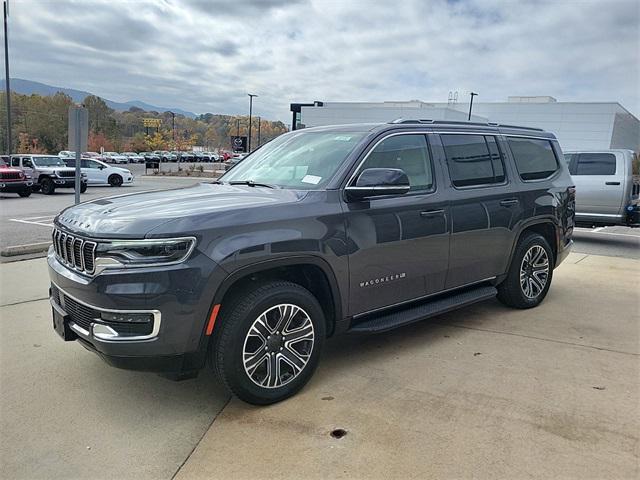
157,317
417,299
603,215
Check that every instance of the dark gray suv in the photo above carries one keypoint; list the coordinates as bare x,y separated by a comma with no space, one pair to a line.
355,228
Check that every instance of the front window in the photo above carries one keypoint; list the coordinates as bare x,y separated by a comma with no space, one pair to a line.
299,160
48,162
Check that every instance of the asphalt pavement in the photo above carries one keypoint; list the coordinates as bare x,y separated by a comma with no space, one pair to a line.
29,220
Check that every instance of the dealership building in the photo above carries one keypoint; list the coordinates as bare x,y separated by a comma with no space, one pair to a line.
577,125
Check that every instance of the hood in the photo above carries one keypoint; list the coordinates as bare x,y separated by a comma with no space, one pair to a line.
135,215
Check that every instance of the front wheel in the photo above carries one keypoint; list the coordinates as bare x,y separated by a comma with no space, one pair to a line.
115,180
267,342
25,193
530,273
47,186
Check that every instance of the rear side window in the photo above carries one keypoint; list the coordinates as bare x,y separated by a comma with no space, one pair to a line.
534,157
473,160
592,164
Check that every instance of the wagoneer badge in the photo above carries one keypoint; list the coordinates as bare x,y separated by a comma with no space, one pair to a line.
378,281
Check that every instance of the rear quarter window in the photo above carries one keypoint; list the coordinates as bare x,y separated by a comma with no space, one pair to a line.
534,158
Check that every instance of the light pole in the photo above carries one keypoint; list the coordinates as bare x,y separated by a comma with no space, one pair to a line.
473,94
251,95
6,74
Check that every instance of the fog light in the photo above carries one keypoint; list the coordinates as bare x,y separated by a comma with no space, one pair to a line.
125,317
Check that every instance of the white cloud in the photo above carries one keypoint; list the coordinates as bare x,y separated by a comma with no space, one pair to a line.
206,55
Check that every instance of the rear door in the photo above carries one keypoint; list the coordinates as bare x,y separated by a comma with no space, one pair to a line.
485,208
599,180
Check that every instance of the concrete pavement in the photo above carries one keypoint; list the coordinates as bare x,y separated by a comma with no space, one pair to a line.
66,414
483,392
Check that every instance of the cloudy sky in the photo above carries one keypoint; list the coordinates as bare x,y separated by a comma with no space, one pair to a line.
205,55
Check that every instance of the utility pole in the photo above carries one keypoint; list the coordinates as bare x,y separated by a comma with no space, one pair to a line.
173,125
237,127
251,95
259,122
6,74
473,94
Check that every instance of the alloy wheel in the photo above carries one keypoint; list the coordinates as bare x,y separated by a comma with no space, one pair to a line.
278,345
534,271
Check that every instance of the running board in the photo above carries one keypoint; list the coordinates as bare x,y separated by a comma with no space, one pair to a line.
398,318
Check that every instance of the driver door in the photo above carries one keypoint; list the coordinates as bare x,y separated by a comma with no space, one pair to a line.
400,243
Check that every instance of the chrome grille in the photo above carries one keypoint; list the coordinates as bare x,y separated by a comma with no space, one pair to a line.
74,252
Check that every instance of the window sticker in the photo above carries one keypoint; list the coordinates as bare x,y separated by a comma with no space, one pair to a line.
312,179
342,138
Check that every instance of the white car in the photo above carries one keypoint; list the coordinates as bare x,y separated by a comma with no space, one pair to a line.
99,173
134,157
67,154
115,157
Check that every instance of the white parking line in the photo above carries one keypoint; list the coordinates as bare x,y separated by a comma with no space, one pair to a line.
36,221
598,232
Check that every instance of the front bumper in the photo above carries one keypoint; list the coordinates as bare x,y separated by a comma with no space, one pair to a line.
15,186
179,298
63,182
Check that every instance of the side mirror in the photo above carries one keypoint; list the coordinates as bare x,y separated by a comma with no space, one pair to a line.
375,182
102,167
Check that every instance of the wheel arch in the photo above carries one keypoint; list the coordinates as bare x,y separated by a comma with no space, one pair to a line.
310,272
546,227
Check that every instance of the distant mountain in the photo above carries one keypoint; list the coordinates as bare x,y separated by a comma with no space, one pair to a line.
28,87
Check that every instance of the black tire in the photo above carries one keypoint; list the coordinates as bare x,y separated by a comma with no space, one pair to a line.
115,180
527,293
47,186
83,187
232,336
25,193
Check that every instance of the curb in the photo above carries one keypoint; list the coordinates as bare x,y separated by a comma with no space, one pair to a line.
25,249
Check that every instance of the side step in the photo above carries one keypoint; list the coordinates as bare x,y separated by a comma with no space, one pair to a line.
398,318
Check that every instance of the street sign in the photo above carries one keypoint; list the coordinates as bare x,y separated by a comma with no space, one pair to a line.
151,122
239,144
78,125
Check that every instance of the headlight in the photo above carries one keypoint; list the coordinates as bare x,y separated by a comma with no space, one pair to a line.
140,253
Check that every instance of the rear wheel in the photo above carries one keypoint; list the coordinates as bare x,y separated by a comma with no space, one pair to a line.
530,273
47,186
268,342
115,180
25,193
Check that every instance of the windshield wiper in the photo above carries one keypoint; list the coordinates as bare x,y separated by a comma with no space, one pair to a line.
251,183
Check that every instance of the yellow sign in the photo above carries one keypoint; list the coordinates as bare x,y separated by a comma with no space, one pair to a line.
151,122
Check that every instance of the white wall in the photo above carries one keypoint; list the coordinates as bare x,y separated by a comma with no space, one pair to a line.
576,125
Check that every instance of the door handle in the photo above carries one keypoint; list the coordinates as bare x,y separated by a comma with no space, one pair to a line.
612,183
431,213
509,202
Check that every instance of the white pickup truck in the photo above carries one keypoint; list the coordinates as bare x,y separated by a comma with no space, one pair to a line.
606,191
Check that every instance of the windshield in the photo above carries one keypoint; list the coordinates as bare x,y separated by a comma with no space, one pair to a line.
299,160
48,162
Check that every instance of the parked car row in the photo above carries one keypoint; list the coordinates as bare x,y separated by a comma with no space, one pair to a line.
27,173
155,156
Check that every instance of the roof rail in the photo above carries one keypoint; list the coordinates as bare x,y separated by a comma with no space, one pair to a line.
458,122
